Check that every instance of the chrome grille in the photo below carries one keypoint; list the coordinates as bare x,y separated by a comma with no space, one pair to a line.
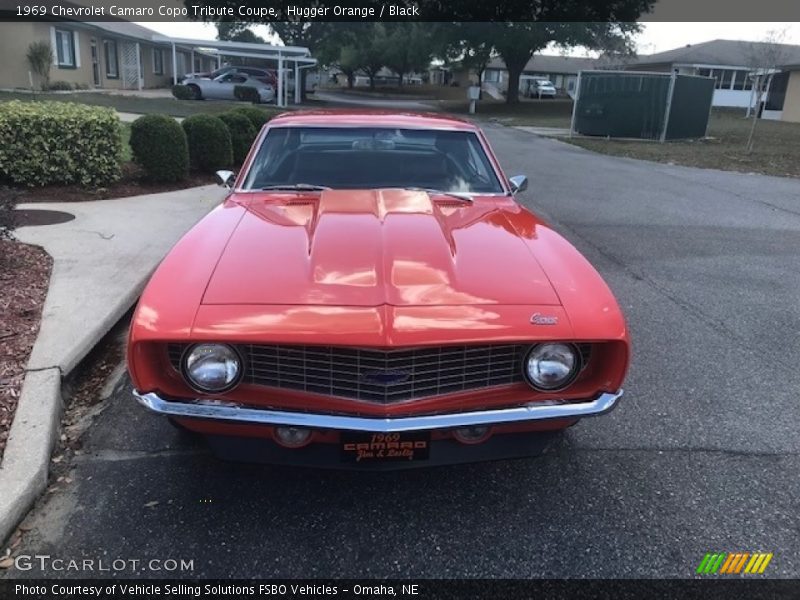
379,376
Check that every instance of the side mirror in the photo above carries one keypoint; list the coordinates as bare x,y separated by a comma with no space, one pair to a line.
519,183
226,178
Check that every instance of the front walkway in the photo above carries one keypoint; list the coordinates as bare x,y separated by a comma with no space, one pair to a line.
101,260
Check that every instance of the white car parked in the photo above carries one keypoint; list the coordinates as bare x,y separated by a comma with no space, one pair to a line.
540,87
222,87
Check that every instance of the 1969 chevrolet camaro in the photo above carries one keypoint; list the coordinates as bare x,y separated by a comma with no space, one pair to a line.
370,295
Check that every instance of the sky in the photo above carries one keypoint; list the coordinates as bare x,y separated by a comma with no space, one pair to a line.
655,37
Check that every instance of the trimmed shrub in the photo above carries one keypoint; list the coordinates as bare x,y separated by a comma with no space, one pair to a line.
59,142
258,116
210,147
182,92
242,134
246,93
59,86
159,146
82,85
7,214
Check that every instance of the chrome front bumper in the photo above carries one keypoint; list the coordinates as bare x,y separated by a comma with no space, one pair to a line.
204,409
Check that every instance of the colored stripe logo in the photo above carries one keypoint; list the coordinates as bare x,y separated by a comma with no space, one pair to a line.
734,563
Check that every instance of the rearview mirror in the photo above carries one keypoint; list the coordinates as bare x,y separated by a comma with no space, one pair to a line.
226,178
519,183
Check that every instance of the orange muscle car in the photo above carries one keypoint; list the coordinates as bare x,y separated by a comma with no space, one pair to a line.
371,295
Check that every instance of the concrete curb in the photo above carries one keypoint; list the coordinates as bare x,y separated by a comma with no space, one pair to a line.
58,350
23,473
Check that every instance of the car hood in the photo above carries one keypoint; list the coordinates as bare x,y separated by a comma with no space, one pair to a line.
376,247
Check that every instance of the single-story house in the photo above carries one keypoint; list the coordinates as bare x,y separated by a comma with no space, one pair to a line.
562,71
112,55
782,101
455,74
384,77
730,62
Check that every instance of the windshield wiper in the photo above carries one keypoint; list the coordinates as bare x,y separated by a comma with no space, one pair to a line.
300,187
433,191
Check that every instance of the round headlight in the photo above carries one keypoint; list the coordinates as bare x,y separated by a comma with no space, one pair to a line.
212,367
550,367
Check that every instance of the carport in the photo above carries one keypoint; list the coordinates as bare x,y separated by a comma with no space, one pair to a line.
288,58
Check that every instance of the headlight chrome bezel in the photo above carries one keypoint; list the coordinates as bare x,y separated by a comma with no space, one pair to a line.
577,367
184,364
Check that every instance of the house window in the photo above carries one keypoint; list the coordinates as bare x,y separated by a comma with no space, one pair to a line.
741,81
726,79
158,61
112,64
65,48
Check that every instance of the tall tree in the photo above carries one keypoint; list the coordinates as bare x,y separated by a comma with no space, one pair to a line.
408,47
371,48
516,43
468,44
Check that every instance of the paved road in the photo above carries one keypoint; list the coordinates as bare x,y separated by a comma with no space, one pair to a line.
703,455
390,103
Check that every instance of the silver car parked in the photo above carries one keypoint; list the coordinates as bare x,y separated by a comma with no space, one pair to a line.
222,87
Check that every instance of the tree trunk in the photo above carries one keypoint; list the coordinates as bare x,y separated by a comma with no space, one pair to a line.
756,112
515,64
351,80
372,81
512,95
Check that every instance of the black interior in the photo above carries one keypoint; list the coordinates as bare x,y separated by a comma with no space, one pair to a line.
375,169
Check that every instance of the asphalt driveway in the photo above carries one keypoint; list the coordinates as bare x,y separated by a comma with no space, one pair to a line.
701,456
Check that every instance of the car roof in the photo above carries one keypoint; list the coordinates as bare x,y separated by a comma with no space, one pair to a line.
373,118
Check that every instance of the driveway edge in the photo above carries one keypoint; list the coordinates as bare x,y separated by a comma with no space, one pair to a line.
58,350
26,461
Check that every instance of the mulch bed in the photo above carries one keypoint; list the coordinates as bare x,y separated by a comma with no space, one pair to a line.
24,278
130,184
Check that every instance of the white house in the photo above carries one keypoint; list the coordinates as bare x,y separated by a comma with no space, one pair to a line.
730,62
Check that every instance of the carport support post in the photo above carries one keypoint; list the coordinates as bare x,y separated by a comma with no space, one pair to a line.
191,69
575,104
139,70
669,106
174,66
280,80
296,82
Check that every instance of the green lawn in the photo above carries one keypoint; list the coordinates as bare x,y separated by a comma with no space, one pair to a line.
134,104
533,113
424,91
777,146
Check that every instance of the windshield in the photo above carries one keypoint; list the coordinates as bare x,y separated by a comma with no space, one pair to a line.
372,157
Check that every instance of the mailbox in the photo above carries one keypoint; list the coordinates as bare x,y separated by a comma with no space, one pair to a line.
473,92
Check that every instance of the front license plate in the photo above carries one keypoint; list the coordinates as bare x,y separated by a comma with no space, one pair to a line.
362,447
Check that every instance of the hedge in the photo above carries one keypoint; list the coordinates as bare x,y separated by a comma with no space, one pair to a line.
60,86
210,147
44,143
242,134
182,92
246,93
258,117
159,146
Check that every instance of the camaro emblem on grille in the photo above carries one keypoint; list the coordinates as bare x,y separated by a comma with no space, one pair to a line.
385,377
540,319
